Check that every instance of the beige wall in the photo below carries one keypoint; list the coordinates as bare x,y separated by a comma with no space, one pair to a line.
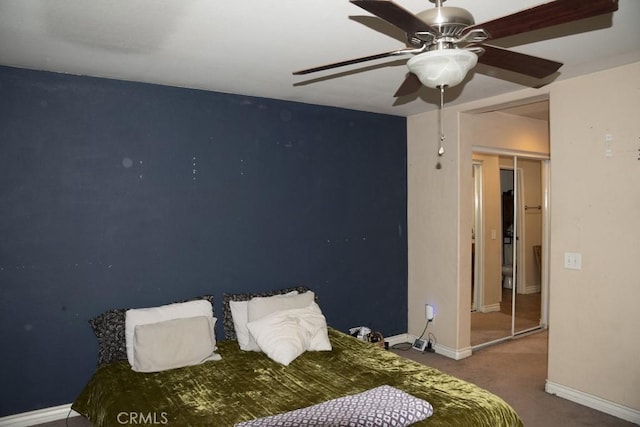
504,131
594,337
433,226
594,313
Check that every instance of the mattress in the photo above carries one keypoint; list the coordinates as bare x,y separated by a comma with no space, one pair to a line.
248,385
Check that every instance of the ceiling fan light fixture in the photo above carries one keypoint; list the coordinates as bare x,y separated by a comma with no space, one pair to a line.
439,68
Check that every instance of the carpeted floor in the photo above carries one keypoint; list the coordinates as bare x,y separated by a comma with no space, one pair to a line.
516,370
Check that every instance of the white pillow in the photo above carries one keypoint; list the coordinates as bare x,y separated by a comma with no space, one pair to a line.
312,319
260,307
280,336
173,344
143,316
285,335
239,314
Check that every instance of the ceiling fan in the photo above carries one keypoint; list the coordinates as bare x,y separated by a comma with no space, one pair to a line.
447,43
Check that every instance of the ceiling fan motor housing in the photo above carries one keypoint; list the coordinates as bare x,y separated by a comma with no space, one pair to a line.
449,21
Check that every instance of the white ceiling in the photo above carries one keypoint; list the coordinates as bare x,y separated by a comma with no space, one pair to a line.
251,47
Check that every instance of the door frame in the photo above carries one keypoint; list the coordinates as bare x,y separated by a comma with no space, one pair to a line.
478,238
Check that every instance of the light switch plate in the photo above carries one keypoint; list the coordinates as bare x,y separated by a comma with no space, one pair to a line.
573,260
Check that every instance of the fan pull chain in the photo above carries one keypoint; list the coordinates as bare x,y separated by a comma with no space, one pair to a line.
441,136
440,129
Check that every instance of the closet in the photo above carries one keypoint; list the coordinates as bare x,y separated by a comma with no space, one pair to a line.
508,289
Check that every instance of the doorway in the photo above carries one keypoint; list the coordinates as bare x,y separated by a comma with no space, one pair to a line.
510,200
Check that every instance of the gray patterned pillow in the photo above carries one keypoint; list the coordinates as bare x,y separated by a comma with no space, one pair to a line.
381,406
227,319
108,328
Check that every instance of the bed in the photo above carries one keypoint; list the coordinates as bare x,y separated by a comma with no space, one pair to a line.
248,385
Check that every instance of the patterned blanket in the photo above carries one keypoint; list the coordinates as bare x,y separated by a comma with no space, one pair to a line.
383,406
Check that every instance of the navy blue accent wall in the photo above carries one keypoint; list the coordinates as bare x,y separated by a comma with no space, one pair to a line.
117,194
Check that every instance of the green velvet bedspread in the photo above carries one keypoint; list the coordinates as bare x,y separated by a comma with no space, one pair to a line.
247,385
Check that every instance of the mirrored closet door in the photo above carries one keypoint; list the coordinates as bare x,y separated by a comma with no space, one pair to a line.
510,201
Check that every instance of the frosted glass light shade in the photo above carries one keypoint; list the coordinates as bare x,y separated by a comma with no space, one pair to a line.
447,67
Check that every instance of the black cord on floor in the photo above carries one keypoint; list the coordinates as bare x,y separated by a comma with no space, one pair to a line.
405,346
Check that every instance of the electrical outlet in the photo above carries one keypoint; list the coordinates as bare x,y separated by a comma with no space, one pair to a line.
419,345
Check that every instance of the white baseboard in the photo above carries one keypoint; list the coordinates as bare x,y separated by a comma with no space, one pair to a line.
38,416
597,403
452,353
531,289
398,339
490,308
443,350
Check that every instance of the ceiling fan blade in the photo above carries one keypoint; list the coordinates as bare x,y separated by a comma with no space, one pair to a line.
396,15
519,62
357,60
545,15
410,85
